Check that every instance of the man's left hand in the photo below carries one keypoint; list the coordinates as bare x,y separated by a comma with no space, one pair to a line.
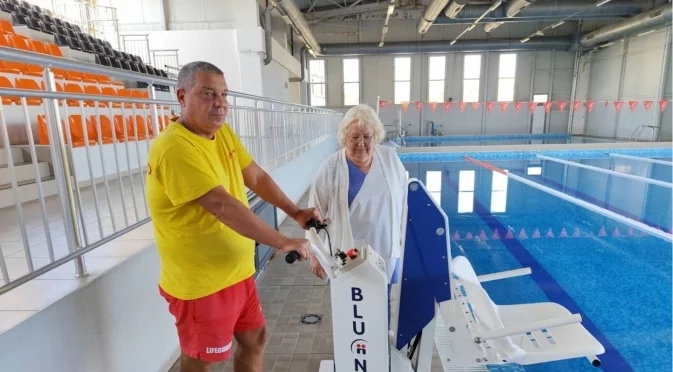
304,215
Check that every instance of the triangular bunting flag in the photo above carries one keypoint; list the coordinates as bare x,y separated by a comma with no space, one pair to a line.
489,106
518,106
547,106
576,105
503,106
462,106
496,235
618,105
647,105
577,233
590,105
536,234
469,236
522,234
509,235
419,105
447,106
383,104
433,106
550,233
482,235
532,106
602,232
475,105
633,105
561,105
616,233
662,105
405,106
631,231
564,233
456,236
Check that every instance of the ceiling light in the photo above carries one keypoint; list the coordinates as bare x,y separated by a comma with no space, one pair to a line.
603,2
524,40
645,33
558,24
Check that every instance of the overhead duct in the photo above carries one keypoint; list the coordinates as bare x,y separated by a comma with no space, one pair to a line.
511,9
431,12
441,46
288,8
553,10
640,23
455,7
515,6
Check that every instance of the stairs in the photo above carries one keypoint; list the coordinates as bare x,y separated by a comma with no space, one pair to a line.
25,177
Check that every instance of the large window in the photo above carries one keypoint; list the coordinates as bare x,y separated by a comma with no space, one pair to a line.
466,191
498,193
316,82
506,75
471,75
351,82
436,75
433,182
402,79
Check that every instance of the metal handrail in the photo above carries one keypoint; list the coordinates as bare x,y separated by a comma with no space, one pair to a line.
45,60
65,63
11,92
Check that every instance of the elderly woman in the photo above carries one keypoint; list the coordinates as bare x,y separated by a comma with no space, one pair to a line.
360,190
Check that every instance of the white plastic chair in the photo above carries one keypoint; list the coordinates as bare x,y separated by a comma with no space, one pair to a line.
527,333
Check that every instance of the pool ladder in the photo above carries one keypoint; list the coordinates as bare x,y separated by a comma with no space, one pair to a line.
639,131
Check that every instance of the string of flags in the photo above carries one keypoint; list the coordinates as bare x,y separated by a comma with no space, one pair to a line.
561,105
549,233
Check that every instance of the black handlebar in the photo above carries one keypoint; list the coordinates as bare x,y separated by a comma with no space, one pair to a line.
291,257
294,256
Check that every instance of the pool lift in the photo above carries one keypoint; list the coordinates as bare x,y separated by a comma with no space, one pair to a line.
434,288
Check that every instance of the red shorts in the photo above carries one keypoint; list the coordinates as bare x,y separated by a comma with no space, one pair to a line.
206,326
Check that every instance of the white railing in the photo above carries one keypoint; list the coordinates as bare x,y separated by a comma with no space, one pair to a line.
99,167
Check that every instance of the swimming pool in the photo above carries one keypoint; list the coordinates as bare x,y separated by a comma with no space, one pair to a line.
455,141
617,277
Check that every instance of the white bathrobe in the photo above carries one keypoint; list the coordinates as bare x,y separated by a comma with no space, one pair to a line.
329,194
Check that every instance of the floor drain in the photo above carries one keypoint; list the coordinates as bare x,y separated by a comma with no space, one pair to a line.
311,319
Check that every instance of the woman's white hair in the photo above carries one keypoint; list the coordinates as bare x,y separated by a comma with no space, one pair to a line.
363,116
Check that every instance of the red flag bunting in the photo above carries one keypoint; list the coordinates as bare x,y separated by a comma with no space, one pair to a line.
518,105
405,106
475,105
662,105
489,106
561,105
647,105
633,105
447,106
590,105
547,106
433,106
503,106
383,104
462,106
618,105
419,105
576,105
532,106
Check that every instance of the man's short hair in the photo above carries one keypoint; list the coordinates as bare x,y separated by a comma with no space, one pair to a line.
187,72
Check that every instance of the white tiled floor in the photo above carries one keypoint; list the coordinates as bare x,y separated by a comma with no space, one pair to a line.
24,301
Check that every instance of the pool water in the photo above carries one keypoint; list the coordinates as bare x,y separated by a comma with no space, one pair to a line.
616,277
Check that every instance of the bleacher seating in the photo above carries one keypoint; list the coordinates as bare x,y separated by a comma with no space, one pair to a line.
57,38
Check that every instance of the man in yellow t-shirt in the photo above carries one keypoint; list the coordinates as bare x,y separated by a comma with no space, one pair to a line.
205,230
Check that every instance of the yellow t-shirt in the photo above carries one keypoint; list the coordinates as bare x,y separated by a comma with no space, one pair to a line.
199,254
